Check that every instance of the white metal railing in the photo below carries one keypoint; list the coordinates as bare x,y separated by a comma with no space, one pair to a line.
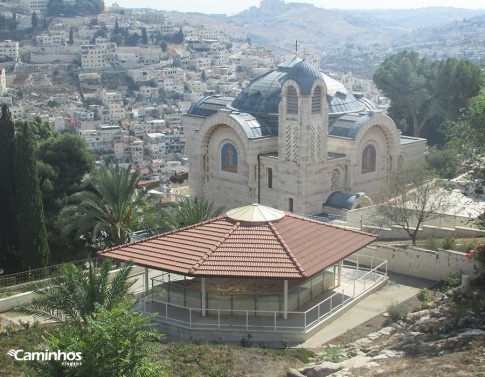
297,321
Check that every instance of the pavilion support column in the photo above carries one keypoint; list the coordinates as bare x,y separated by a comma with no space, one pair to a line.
202,288
340,267
147,286
285,299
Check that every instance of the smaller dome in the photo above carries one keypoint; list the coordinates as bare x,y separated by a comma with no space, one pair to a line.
304,74
255,213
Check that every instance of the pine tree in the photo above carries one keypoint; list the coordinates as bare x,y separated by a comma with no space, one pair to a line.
32,245
8,238
71,36
144,37
34,21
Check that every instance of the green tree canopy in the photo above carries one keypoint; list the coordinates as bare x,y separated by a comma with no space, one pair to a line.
72,295
32,244
114,342
464,150
108,211
191,211
423,91
8,227
63,161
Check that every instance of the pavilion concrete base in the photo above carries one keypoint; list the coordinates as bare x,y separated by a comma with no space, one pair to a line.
273,337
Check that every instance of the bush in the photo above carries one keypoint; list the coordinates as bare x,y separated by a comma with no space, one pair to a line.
454,281
449,243
397,312
424,296
432,244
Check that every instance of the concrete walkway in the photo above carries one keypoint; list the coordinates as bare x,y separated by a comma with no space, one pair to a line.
399,289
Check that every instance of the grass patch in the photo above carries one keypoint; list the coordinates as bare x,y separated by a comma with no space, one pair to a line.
300,354
182,360
334,355
460,310
27,339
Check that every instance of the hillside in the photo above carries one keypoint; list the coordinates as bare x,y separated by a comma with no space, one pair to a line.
447,338
355,40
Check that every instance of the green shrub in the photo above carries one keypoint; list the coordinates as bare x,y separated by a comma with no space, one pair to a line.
454,281
334,355
397,312
424,296
246,342
432,244
449,243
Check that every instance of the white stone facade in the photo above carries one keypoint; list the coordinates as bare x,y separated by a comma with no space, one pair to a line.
314,150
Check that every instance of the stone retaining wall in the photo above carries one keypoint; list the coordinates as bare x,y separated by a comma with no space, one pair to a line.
422,263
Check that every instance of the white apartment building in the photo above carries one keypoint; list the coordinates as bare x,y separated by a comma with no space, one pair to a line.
170,84
9,49
53,39
113,111
3,81
152,126
148,91
6,99
107,97
35,5
18,112
173,120
156,145
129,149
152,17
98,56
158,166
204,32
82,116
101,138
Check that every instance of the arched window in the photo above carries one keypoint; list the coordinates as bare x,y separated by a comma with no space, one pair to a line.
292,104
369,159
317,100
229,158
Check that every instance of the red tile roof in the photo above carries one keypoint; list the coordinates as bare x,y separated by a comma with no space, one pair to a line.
293,247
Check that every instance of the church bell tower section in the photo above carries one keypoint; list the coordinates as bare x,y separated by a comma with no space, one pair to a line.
302,139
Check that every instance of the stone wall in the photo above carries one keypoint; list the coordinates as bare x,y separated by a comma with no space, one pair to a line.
421,263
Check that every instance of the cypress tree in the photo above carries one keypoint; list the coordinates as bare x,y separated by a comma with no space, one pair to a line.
8,234
33,246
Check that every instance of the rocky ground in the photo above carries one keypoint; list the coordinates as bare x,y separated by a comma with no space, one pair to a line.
447,338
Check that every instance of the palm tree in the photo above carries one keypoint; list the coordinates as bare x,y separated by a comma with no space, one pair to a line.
110,210
73,294
194,210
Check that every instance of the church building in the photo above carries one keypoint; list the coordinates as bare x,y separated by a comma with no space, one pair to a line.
293,139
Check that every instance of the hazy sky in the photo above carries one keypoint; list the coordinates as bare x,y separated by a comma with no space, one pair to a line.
236,6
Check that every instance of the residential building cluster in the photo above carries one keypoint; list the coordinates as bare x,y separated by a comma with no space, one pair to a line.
129,101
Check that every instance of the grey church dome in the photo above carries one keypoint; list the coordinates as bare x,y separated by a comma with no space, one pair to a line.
304,74
263,94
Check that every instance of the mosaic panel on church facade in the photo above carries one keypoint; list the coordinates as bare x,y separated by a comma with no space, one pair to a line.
369,159
229,161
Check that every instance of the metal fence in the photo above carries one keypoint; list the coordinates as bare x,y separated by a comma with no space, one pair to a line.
40,273
372,271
